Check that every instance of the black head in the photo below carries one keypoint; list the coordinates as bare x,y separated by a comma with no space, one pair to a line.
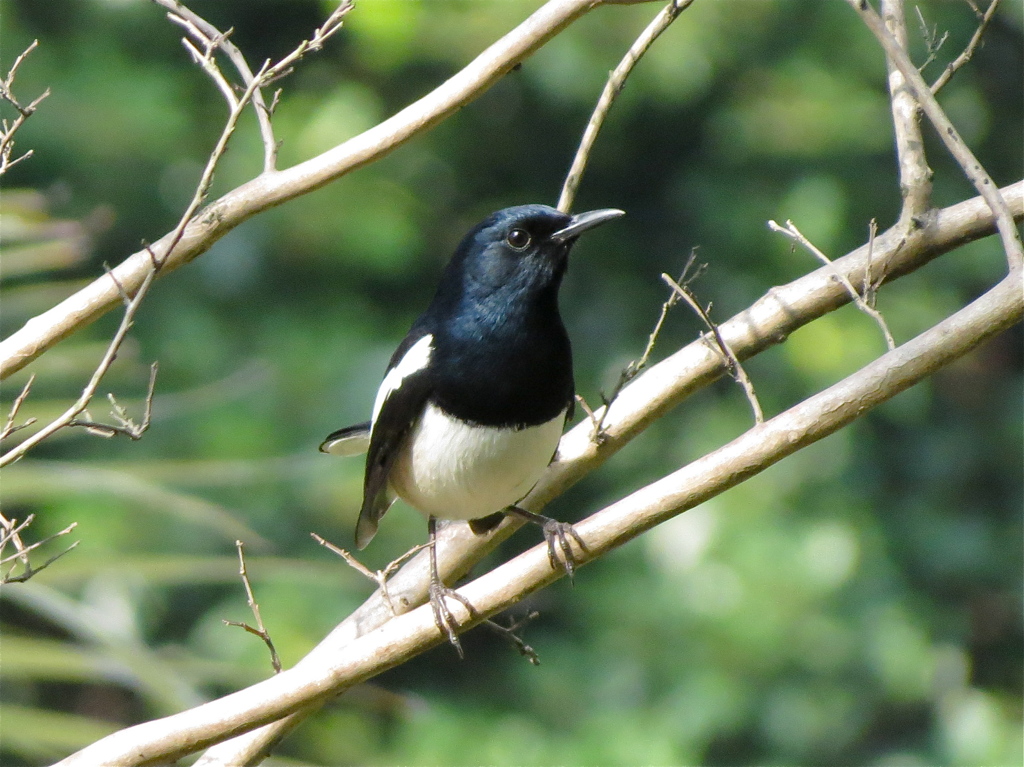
516,254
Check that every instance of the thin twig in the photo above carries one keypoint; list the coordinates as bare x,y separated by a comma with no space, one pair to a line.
21,554
615,83
8,129
80,405
208,63
125,425
932,42
12,534
630,371
9,425
796,235
259,629
732,362
380,577
968,52
871,284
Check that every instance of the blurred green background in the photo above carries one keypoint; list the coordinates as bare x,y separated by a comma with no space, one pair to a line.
857,604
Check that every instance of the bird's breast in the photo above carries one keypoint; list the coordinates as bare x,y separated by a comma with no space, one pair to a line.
452,469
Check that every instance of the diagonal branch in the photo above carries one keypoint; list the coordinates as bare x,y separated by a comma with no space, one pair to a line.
861,301
967,52
970,165
647,398
271,189
409,634
612,88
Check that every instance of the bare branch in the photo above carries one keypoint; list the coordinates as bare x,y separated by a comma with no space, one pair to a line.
915,175
732,363
8,129
661,387
795,234
964,157
259,629
270,189
968,52
404,636
12,415
12,534
616,81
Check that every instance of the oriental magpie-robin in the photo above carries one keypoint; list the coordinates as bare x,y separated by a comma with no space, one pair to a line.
475,397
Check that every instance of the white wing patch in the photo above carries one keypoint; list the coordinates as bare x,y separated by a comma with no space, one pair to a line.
414,360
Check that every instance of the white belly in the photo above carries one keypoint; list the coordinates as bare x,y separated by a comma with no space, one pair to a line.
454,470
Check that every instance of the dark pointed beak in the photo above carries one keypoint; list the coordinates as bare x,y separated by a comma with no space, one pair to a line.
581,222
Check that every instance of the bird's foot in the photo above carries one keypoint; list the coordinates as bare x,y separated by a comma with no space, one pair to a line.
558,535
443,618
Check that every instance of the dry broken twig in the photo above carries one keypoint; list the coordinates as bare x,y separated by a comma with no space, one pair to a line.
9,128
732,362
967,52
380,577
630,371
259,629
861,302
10,534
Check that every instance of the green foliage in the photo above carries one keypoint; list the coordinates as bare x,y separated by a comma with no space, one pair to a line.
859,603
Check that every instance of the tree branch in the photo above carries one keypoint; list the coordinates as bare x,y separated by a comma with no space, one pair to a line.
973,169
915,175
615,83
648,397
968,52
273,188
407,635
8,129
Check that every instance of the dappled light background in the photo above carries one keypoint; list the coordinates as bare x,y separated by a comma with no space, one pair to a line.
857,604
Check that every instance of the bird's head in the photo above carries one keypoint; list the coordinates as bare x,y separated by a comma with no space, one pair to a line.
519,251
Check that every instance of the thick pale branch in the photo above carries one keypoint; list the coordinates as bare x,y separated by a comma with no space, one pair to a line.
407,635
915,175
648,397
275,187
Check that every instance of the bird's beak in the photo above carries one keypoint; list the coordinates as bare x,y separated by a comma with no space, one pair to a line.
581,222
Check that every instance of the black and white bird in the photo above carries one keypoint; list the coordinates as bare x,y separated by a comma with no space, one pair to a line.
476,396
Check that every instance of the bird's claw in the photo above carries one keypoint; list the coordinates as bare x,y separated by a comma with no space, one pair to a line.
443,618
557,535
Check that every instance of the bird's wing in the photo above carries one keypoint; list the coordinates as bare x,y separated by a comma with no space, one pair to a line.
400,400
352,440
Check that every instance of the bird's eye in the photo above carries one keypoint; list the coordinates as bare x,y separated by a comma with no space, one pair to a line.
518,239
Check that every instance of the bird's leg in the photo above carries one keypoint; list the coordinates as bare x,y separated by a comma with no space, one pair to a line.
557,534
443,617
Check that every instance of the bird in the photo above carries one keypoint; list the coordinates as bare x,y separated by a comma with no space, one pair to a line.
475,398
